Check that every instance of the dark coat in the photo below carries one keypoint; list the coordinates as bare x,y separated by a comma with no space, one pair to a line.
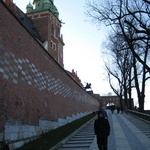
102,127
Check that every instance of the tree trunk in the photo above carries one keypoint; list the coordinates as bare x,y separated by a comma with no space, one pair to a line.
141,103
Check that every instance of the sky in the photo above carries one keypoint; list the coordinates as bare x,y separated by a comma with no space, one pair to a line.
83,44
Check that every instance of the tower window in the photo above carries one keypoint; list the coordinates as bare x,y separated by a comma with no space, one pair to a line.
53,45
38,5
53,32
59,32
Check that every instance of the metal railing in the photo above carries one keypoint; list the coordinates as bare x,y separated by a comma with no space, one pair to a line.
143,116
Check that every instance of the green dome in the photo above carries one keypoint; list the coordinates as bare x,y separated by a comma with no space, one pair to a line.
47,4
29,8
40,5
55,11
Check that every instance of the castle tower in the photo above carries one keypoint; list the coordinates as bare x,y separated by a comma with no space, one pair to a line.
45,17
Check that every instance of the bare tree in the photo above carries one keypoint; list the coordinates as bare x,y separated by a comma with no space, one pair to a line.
132,18
123,13
120,69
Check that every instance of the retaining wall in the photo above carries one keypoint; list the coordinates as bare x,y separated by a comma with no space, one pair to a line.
36,93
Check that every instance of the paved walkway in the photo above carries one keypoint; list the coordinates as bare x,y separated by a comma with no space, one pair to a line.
124,135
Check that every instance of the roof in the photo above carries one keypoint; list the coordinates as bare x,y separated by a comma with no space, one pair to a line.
41,5
27,23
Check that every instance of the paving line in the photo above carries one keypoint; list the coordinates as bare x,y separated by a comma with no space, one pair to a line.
121,141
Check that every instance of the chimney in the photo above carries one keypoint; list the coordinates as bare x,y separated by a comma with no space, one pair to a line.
11,5
9,2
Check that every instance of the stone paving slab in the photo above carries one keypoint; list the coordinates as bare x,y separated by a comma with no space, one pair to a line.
77,145
76,142
80,136
74,149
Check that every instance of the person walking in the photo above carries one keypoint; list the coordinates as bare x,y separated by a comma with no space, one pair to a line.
102,130
118,109
104,113
112,108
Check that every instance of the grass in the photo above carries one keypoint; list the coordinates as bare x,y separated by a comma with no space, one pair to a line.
51,138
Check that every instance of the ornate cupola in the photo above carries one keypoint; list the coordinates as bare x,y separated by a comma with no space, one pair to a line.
41,5
29,8
55,11
47,4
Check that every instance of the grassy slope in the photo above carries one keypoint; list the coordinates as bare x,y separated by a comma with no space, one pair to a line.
48,140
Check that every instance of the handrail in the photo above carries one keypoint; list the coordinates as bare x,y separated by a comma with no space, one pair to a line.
143,116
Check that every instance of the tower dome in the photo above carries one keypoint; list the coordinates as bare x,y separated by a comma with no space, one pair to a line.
47,4
29,8
55,11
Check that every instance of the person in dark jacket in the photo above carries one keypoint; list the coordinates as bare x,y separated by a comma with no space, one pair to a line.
102,131
104,113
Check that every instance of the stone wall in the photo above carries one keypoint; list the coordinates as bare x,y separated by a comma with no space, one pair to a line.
35,91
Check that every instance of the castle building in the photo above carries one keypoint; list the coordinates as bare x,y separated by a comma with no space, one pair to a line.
42,21
75,77
45,17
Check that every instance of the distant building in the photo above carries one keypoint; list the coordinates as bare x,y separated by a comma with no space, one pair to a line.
110,100
115,100
75,77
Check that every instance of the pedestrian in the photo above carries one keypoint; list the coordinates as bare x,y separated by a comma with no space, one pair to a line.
102,130
118,109
122,110
112,108
104,112
126,110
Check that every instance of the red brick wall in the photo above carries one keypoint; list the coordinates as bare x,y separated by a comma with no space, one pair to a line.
33,86
43,22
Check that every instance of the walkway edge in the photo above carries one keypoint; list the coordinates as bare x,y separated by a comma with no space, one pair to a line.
139,134
59,145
